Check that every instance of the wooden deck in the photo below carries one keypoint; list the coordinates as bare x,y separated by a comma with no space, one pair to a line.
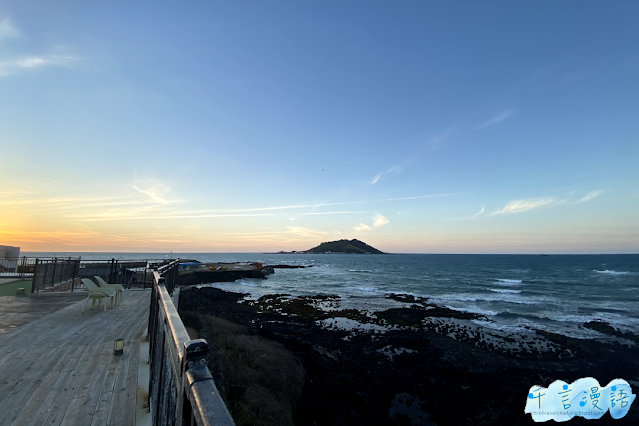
59,369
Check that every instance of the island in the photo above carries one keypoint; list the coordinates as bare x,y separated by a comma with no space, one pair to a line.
339,247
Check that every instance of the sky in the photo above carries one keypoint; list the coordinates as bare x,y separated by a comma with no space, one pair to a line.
251,126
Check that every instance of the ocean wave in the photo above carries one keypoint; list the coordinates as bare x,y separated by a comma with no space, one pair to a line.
364,289
613,272
507,298
510,328
359,270
501,281
505,291
407,293
473,309
610,318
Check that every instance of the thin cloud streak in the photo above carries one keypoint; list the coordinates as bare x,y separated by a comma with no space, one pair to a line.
7,30
435,140
375,178
29,62
395,169
475,216
318,205
519,206
362,227
128,214
321,213
589,196
496,120
305,232
101,219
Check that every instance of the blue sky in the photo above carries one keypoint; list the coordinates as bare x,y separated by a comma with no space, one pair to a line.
453,127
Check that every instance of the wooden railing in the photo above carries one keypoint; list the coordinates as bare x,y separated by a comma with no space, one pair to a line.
181,389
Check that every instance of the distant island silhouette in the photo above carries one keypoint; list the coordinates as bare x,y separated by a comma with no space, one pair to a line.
340,247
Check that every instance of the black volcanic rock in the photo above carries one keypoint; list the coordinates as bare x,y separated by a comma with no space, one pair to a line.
412,374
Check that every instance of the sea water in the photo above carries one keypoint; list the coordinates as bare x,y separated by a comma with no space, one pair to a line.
518,293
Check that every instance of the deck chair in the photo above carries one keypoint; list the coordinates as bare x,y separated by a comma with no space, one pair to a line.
96,293
117,287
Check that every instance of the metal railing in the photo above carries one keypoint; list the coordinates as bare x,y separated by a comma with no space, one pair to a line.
129,273
22,267
49,273
44,272
181,389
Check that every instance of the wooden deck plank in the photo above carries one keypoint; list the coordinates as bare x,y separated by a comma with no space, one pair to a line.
37,398
114,414
106,397
63,324
47,405
118,399
62,368
104,394
14,376
90,401
74,386
16,400
131,394
78,400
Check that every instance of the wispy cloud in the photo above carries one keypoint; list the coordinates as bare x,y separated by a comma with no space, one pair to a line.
322,213
26,62
474,216
305,232
496,120
375,178
589,196
519,206
470,217
435,141
379,220
324,204
130,216
153,188
7,30
362,227
395,169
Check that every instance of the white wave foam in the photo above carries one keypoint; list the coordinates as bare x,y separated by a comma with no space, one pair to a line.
510,328
407,293
507,282
473,309
348,324
359,270
503,290
610,318
509,298
612,272
364,289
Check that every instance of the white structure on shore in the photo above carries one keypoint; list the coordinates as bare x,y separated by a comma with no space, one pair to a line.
9,258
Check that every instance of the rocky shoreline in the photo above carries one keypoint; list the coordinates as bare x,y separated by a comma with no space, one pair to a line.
418,364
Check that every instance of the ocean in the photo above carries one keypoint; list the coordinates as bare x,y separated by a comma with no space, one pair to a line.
516,293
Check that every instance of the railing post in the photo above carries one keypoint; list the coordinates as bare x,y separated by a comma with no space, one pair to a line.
24,268
192,367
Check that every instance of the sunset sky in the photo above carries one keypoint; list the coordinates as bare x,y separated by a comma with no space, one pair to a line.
248,126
